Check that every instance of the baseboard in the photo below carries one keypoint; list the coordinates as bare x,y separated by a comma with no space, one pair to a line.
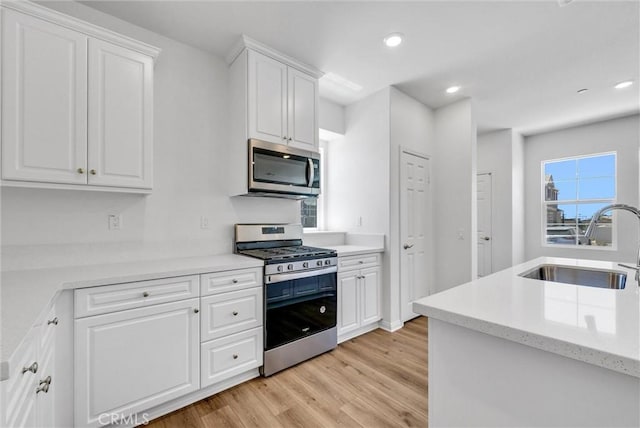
391,327
358,332
191,398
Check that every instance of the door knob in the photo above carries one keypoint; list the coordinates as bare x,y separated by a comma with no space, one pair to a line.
407,246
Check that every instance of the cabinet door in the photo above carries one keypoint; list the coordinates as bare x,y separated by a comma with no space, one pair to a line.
348,307
302,110
130,361
267,88
44,101
370,296
120,116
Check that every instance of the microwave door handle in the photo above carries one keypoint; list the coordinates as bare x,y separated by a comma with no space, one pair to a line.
310,173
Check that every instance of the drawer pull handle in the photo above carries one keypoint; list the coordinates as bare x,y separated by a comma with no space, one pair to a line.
196,310
53,321
46,380
235,356
33,368
145,294
235,281
235,313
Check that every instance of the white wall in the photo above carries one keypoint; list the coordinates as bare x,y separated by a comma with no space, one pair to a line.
358,186
411,128
517,200
455,204
501,154
621,135
57,227
331,116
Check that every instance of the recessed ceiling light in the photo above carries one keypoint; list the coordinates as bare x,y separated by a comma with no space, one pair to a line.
393,40
623,85
453,89
563,3
582,91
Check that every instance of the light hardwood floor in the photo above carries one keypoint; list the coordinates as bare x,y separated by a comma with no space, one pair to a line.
375,380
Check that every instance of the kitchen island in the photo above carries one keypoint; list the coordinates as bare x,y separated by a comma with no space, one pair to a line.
511,351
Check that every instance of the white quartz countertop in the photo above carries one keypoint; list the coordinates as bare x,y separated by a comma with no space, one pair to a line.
594,325
25,294
354,250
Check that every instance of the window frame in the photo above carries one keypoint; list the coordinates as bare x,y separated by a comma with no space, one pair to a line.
320,198
545,203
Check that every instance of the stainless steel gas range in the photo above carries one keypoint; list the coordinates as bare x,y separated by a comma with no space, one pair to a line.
300,293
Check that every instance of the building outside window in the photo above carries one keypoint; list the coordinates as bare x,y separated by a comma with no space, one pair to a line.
573,189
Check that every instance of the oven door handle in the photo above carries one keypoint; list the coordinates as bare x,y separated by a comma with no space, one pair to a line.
279,277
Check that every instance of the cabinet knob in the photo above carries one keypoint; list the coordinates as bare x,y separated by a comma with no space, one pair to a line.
92,172
46,380
33,368
196,310
361,262
53,321
290,138
80,170
44,386
235,313
235,356
284,138
145,294
235,281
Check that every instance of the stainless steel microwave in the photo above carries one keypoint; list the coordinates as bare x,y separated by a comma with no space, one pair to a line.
282,171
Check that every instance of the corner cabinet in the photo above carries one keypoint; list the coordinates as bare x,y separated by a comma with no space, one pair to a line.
77,103
359,294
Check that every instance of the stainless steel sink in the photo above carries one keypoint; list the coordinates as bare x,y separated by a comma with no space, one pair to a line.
578,276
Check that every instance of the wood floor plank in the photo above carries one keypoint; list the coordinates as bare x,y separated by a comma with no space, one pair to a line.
375,380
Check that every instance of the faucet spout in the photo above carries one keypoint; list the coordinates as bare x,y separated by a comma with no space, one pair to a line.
594,223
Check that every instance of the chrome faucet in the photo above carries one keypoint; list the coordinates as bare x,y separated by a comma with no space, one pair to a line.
594,222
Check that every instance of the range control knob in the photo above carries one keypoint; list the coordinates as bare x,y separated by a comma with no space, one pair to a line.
305,264
280,268
290,267
327,262
319,263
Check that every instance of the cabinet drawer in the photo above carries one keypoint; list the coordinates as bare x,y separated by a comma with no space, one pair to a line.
357,262
20,388
231,280
228,313
231,355
112,298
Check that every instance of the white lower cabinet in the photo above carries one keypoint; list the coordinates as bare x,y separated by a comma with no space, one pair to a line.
35,380
231,355
130,361
359,294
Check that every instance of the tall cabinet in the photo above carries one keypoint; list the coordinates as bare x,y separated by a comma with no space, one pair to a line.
275,99
77,103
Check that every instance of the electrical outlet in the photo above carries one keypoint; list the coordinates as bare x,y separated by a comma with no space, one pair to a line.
115,221
204,222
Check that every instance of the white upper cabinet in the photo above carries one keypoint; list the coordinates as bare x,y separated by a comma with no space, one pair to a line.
120,116
44,101
267,99
282,103
302,110
77,103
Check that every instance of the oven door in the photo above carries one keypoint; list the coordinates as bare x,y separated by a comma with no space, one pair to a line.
280,169
299,307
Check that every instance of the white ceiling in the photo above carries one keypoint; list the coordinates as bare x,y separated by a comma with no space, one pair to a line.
522,62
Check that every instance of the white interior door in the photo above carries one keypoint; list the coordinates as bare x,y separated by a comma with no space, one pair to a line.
415,218
485,266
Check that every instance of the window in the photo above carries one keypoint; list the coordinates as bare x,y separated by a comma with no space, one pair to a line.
573,189
311,208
